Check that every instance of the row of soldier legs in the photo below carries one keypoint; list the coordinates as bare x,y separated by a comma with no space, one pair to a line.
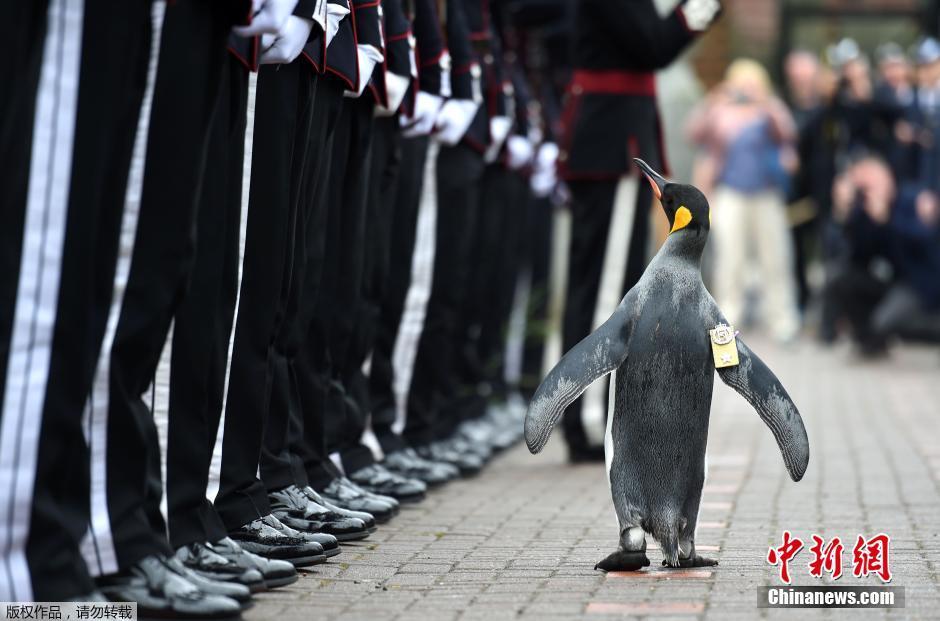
309,273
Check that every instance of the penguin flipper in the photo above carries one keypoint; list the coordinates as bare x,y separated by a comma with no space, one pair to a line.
754,381
598,354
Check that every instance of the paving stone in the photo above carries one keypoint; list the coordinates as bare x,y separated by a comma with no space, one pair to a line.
520,540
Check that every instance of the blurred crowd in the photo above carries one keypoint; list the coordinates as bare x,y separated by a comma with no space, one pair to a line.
828,195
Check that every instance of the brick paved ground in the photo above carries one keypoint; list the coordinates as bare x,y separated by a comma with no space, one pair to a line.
521,539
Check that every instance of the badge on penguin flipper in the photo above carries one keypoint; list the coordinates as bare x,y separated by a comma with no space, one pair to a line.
724,346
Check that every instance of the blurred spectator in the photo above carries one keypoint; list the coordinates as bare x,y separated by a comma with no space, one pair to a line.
894,75
888,283
849,121
921,125
747,135
801,69
895,90
802,72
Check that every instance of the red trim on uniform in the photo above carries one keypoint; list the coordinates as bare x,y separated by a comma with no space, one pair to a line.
434,61
381,99
683,21
473,144
239,58
352,15
312,62
480,36
464,68
339,75
613,82
366,5
399,37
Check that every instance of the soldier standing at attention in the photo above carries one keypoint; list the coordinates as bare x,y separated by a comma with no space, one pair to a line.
610,117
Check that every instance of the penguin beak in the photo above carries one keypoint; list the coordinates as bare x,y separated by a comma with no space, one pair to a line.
656,180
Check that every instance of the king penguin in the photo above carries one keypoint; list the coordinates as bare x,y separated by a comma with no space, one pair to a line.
658,341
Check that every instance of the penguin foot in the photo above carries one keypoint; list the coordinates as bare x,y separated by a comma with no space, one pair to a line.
694,561
623,560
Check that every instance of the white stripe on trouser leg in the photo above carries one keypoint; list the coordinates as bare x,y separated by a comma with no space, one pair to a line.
419,291
98,544
514,346
215,467
161,410
558,288
609,294
37,293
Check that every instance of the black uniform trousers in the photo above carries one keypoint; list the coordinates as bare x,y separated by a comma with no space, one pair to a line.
341,306
305,392
495,267
592,205
495,326
281,455
536,248
403,221
283,113
382,182
326,342
189,73
203,322
66,147
435,383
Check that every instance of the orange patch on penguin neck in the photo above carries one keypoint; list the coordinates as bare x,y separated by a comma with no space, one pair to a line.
682,219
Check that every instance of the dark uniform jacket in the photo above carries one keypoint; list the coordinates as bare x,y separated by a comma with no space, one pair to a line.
469,29
342,57
245,49
396,31
610,114
430,49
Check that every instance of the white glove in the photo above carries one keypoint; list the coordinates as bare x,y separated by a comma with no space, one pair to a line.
334,15
499,130
543,178
369,57
520,152
422,122
396,86
268,17
699,14
287,45
454,120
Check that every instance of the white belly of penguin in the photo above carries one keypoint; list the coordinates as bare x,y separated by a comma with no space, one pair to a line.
608,437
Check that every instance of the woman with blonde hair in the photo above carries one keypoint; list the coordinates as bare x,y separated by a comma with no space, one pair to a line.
747,135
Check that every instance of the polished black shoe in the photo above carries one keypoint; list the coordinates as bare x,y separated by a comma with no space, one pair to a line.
239,592
295,509
377,479
328,542
162,592
462,445
341,493
467,463
201,559
407,463
367,518
276,573
264,537
396,505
